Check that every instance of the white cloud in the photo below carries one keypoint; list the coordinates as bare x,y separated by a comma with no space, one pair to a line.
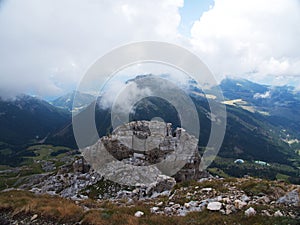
114,88
252,38
47,45
267,94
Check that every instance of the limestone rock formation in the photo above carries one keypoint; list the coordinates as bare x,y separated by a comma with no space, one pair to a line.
139,151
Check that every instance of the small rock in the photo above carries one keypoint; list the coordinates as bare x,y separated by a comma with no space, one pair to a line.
182,212
245,198
226,200
130,201
172,196
250,212
139,214
292,215
154,209
203,179
229,209
176,206
278,213
136,191
218,199
214,206
266,213
264,199
168,210
160,204
35,216
86,208
193,203
202,205
206,189
187,205
239,204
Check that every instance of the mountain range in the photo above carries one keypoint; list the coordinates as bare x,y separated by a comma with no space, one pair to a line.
263,124
66,101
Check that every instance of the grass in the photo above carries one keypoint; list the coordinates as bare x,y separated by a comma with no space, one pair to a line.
102,213
31,164
218,172
283,177
215,184
4,167
191,190
104,187
44,205
7,182
43,152
256,187
225,167
6,151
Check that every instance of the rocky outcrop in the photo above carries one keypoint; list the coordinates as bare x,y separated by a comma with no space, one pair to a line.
151,144
226,198
67,185
81,166
291,198
161,187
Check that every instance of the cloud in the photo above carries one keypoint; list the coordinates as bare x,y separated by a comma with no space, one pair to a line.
116,87
121,97
46,46
267,94
254,39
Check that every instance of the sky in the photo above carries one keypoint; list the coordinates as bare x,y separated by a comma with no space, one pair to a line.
46,46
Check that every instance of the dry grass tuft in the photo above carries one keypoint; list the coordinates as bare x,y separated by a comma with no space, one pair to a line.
44,205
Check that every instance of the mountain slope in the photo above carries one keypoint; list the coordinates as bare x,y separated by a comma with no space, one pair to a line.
27,119
258,134
249,135
280,104
66,101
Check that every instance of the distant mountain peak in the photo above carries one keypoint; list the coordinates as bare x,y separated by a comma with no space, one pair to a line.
66,101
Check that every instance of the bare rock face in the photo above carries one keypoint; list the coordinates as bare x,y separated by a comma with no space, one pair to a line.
291,198
151,144
81,166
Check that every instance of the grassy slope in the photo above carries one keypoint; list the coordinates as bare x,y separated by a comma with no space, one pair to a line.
61,210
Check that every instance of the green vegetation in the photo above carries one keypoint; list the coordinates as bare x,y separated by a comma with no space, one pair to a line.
282,177
104,188
225,167
218,172
46,152
262,187
30,162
